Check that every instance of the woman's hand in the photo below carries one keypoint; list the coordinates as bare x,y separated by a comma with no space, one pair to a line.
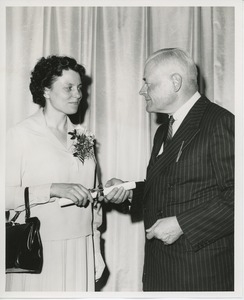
73,191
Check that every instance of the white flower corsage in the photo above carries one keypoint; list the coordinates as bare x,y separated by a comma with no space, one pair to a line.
83,146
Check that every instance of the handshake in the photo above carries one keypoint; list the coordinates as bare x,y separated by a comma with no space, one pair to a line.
115,191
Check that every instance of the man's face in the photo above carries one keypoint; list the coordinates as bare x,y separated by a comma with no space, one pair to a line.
158,88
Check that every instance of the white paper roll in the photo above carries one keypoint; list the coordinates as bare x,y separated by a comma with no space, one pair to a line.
126,185
67,202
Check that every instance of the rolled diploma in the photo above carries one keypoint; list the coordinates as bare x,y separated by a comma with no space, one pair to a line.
126,185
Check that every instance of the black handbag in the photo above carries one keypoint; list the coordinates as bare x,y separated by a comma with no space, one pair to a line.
23,243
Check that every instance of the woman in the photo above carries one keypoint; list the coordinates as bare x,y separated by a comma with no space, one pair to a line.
40,155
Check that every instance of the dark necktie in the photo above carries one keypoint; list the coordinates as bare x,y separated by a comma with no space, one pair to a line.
170,131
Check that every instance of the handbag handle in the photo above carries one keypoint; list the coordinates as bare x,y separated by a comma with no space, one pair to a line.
27,207
27,204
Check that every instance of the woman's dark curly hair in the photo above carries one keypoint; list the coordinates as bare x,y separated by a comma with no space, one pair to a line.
45,73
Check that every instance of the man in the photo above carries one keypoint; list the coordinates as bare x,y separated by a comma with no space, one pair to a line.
188,196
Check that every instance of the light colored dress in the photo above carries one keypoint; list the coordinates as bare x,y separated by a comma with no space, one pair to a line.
36,158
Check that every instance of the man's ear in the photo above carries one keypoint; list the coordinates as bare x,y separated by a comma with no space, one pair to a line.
46,92
177,81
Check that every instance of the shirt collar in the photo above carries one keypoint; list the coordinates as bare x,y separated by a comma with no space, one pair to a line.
180,114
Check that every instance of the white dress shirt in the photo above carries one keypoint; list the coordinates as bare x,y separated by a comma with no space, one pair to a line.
180,114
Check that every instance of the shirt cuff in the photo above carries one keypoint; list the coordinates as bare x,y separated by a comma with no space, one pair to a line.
39,194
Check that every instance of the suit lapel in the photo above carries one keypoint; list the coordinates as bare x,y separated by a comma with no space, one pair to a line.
71,127
158,140
40,121
181,140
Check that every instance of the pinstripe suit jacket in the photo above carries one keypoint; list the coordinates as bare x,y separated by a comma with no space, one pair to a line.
197,188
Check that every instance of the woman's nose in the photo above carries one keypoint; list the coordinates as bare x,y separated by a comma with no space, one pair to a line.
77,93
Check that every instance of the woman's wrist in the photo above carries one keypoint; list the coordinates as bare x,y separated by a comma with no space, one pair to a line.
53,190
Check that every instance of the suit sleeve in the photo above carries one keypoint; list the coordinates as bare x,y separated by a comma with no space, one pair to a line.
137,203
136,209
208,222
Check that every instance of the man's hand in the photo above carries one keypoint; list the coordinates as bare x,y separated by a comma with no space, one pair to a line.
117,195
167,230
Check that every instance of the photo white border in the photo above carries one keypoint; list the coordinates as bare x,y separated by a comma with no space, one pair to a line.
239,83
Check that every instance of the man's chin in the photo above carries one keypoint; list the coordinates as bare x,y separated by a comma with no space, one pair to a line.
149,109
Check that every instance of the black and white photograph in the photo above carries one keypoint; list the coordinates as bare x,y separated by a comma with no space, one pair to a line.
122,149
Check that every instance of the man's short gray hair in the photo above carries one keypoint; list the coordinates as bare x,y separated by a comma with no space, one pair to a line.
179,58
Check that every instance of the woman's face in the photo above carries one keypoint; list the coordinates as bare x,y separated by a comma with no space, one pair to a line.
65,94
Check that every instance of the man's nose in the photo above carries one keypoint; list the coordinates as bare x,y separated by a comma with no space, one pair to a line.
143,90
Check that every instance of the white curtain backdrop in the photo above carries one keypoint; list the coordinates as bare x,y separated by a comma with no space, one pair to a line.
113,43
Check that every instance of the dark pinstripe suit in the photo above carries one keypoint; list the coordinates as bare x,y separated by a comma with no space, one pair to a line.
199,190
